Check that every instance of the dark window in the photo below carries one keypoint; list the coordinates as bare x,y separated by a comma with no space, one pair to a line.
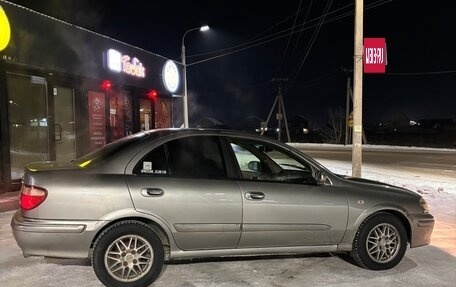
154,163
197,156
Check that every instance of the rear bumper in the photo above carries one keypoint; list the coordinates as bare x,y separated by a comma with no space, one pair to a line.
422,226
54,238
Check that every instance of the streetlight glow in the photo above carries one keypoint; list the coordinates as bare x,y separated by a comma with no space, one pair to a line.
184,68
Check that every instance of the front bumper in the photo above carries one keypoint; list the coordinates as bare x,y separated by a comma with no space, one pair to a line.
422,226
54,238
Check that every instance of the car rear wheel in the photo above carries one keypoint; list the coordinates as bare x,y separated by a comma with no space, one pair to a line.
128,254
380,242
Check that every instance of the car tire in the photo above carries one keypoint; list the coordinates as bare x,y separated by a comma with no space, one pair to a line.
128,254
380,242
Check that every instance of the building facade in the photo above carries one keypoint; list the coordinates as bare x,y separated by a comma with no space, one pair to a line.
65,91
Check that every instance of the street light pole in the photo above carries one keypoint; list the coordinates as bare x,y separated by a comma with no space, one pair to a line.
184,69
184,98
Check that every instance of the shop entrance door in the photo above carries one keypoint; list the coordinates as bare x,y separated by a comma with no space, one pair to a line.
145,114
65,145
27,120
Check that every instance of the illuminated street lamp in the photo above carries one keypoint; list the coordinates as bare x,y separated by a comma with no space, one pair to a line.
185,98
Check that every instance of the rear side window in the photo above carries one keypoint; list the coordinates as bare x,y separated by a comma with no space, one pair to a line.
154,163
196,157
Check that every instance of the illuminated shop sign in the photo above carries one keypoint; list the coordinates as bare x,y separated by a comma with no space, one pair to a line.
374,55
124,64
5,29
170,76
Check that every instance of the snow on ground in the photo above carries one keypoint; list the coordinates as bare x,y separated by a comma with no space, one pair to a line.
438,190
434,186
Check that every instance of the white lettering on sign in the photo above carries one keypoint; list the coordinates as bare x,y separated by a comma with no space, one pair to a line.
374,56
123,63
133,67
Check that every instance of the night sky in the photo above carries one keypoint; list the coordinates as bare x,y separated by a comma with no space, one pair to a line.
420,77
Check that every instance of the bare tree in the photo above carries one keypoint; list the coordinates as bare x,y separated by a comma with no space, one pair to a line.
333,131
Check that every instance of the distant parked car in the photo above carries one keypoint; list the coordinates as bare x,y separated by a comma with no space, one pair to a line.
181,193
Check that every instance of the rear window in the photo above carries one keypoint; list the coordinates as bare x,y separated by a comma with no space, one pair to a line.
101,154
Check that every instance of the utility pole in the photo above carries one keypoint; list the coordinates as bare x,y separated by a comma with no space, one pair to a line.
358,90
281,114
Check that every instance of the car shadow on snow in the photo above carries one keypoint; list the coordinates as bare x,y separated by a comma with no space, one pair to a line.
247,258
404,266
429,259
66,261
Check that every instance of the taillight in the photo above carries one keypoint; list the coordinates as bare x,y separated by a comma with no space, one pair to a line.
32,196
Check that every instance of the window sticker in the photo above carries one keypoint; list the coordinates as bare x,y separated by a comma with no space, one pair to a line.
147,168
147,165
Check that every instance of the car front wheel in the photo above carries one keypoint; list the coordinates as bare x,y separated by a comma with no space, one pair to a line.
380,242
128,254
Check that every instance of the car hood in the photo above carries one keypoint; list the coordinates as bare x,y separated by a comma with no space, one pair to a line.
49,165
368,182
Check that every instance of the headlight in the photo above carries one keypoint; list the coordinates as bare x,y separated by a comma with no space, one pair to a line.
424,206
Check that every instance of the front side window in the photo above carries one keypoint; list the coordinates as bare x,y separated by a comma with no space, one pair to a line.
258,161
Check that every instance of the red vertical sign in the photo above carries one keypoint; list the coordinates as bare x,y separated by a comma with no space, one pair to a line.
97,120
374,55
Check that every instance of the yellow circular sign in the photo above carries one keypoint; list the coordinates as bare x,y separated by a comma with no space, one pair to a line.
5,30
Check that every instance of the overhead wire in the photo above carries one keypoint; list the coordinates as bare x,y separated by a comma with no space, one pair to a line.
290,36
253,39
312,41
277,35
419,73
302,29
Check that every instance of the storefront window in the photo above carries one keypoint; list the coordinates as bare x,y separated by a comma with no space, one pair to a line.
120,114
162,113
28,125
128,113
145,114
118,123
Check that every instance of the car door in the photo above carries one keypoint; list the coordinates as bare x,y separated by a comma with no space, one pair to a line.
282,203
184,183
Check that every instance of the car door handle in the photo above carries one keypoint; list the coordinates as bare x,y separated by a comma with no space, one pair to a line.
256,195
152,192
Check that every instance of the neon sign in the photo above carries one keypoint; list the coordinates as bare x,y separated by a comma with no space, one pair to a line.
124,63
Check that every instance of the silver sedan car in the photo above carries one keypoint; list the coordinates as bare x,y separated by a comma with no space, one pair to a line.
172,194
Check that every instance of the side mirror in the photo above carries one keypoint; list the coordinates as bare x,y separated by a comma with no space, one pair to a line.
321,178
255,166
